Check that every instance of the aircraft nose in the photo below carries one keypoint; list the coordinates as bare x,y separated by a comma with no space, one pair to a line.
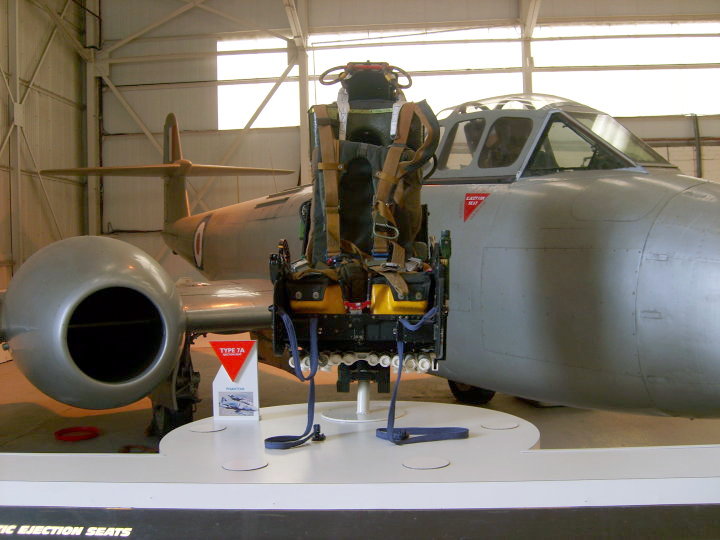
678,305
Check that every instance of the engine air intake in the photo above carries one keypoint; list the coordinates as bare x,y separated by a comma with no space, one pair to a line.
115,334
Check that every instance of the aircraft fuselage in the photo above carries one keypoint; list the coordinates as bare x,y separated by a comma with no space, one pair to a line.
594,289
585,269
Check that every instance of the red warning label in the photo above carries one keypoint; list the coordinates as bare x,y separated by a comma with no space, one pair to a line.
472,203
232,355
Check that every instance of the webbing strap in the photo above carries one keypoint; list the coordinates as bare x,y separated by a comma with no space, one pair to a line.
283,442
329,159
394,279
388,177
392,160
343,107
328,272
412,435
396,113
398,255
391,173
395,170
432,130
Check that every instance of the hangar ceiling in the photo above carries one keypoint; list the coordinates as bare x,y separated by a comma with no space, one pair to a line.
90,82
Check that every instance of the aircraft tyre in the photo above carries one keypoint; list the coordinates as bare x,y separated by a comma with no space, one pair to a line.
474,395
164,419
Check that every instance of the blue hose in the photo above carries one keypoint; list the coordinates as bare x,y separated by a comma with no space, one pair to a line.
411,435
283,442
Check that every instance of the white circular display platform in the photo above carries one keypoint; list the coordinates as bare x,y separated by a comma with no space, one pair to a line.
350,451
244,464
423,463
377,412
206,425
500,423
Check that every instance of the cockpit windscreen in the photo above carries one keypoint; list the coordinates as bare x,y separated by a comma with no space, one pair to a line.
613,132
563,148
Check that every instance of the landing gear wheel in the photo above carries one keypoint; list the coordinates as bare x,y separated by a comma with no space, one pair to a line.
173,400
164,420
466,393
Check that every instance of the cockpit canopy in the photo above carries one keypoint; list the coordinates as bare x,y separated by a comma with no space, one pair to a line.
505,138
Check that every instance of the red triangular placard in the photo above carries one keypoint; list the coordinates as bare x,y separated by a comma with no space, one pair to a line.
232,355
472,203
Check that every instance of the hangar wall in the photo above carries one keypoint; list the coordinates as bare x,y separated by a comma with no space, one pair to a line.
146,92
161,56
40,127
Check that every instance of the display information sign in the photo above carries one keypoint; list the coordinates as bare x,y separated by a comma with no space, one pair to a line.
235,388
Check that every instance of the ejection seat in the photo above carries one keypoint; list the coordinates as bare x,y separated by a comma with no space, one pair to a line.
370,277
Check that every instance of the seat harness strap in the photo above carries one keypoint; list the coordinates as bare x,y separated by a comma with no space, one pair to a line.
330,168
383,219
412,435
391,179
343,107
400,101
312,431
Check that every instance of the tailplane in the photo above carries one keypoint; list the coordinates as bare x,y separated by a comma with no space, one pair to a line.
174,170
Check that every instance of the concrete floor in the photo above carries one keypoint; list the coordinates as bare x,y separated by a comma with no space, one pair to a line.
28,418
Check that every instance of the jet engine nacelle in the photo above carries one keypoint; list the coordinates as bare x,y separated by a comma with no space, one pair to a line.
94,322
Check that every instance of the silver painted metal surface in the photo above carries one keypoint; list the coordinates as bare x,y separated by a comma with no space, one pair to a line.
43,297
544,289
545,298
587,286
225,306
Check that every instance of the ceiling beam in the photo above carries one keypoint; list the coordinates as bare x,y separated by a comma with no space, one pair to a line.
529,10
296,28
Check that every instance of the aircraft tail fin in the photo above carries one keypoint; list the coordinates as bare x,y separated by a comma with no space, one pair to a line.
172,151
177,205
174,169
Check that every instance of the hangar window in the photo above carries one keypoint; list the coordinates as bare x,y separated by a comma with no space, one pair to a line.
445,90
448,66
630,69
623,69
247,70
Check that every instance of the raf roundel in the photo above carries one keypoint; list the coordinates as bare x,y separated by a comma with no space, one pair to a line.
198,242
